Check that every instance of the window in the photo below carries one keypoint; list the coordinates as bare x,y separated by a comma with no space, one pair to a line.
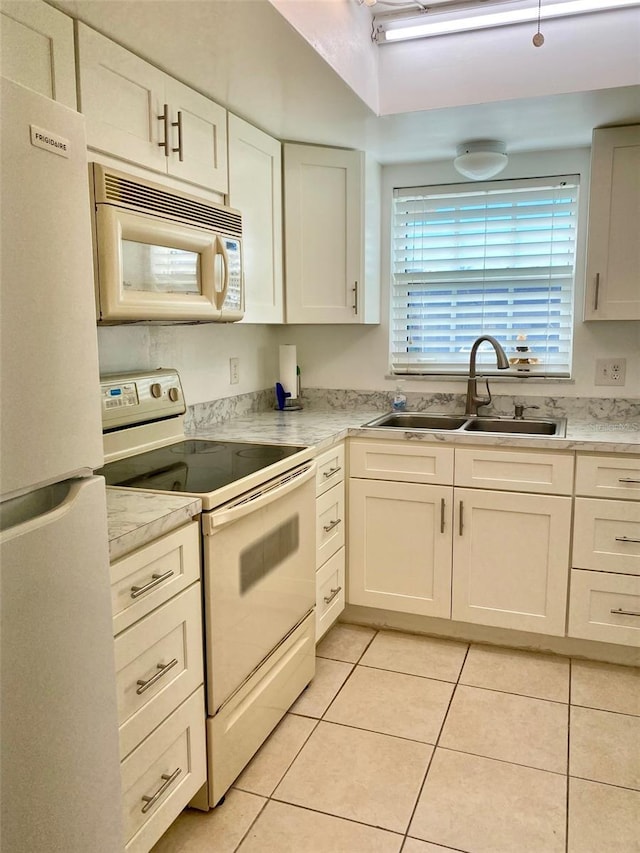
491,258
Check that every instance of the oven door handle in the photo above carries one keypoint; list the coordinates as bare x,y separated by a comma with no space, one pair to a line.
258,500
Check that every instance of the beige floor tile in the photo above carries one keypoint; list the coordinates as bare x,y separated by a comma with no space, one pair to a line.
329,678
392,703
605,686
512,671
603,819
345,642
217,831
485,806
412,845
416,655
364,776
605,747
512,728
272,760
282,828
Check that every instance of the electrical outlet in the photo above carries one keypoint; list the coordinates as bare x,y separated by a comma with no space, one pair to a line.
234,371
610,371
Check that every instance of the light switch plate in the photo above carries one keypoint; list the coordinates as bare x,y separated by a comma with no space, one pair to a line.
610,371
234,371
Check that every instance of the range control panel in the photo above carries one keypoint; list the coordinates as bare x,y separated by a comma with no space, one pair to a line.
140,397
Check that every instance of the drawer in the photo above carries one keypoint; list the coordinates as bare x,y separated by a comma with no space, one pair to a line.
330,593
330,523
608,476
515,471
143,580
404,461
330,468
605,607
606,536
169,767
164,650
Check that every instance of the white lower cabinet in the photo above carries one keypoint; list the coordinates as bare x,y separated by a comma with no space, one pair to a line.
157,617
511,560
422,542
400,546
331,525
163,774
605,607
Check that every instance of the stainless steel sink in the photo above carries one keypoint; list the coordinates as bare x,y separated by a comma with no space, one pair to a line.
413,421
515,426
418,420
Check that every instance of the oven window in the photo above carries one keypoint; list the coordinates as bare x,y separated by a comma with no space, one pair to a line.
159,269
266,553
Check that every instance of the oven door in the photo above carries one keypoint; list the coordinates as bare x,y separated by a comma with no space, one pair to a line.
259,577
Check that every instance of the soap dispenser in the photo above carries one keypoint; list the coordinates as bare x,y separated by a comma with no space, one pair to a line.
399,399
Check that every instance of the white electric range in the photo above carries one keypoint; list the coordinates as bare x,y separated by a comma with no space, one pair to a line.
258,556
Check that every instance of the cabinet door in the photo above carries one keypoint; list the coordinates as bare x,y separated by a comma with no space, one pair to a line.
37,50
255,188
121,97
200,132
511,560
400,546
613,249
323,202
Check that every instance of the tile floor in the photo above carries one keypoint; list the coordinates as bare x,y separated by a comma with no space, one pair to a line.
413,744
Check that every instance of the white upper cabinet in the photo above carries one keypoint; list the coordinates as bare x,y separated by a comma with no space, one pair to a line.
613,250
331,215
37,49
138,113
255,188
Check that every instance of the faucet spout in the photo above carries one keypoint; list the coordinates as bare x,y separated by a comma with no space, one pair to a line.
474,401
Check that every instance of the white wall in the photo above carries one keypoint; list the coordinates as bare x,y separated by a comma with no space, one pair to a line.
357,357
200,353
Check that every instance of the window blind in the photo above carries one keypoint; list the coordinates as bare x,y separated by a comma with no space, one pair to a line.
491,258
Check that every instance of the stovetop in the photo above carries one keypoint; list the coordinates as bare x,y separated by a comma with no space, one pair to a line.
195,466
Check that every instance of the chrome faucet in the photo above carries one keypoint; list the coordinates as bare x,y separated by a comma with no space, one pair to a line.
474,402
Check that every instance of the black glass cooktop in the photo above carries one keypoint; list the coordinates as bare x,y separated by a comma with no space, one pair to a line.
195,465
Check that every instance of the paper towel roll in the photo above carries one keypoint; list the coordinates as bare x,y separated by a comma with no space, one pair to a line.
288,369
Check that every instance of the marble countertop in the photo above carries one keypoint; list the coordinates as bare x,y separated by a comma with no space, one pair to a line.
323,428
136,518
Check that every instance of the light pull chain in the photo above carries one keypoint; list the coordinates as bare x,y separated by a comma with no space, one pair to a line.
538,39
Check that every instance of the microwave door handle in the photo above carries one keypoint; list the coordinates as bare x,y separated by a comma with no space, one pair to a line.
214,520
221,295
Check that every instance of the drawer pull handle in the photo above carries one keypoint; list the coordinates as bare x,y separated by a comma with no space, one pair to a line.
442,506
163,670
178,124
165,119
149,802
627,480
137,591
597,293
331,525
331,472
329,598
461,520
620,612
627,539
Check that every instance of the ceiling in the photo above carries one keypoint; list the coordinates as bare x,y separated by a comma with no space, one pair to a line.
245,55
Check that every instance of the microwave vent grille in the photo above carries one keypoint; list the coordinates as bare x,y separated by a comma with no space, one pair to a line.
125,192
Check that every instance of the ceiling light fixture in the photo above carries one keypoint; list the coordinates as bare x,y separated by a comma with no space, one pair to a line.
390,28
480,159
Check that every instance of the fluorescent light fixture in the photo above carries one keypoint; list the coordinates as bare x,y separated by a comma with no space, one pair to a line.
432,23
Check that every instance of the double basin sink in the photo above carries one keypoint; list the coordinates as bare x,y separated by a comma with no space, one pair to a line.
413,421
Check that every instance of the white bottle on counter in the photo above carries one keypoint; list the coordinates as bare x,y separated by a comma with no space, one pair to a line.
399,399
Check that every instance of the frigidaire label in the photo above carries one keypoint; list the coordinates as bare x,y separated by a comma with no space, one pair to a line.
49,141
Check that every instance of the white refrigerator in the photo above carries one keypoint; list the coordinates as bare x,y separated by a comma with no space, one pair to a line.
59,760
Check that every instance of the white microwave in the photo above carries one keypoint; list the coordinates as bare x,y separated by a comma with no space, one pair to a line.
161,255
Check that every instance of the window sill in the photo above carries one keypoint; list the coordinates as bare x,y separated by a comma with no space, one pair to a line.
531,378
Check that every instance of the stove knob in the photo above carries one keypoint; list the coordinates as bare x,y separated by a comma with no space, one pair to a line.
174,394
156,390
